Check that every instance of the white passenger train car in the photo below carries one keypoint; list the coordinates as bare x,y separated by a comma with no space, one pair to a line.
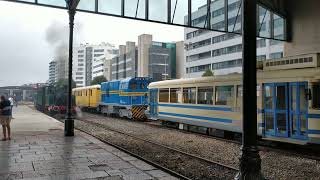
288,97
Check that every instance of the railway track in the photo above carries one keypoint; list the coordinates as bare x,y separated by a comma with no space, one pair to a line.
292,149
189,165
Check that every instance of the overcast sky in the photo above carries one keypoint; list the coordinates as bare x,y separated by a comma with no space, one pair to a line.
25,52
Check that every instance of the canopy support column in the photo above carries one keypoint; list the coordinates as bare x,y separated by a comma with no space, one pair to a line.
69,122
250,161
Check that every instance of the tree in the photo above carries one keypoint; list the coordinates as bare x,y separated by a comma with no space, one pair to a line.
98,80
62,84
207,73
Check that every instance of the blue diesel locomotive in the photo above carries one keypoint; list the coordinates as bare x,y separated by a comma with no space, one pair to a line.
125,98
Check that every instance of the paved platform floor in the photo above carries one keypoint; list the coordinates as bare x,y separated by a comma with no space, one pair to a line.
39,150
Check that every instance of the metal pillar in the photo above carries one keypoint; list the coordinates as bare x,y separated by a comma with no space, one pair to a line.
69,122
250,161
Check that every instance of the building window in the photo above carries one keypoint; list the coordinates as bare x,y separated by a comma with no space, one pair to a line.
261,57
79,78
199,44
261,43
227,50
98,55
277,55
81,64
205,95
175,94
164,95
81,51
189,95
80,60
199,68
227,64
316,96
80,56
200,56
80,69
224,95
224,37
98,50
79,73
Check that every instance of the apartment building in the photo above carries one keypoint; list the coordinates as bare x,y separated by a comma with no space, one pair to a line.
149,58
221,52
89,61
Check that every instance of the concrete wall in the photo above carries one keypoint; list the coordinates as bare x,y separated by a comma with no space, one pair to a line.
180,60
144,43
305,27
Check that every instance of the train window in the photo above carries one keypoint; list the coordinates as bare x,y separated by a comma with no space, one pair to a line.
316,96
90,92
164,95
133,85
205,95
225,95
142,85
175,94
189,95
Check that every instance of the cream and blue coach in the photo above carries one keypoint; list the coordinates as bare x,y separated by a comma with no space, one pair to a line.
288,98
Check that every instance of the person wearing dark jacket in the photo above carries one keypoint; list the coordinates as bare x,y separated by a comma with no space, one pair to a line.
5,117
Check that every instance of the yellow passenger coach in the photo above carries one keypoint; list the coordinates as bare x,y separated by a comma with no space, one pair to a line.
88,98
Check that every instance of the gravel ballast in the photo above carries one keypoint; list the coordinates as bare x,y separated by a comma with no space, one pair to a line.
275,165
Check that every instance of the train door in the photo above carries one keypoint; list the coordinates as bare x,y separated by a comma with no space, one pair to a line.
276,109
298,111
286,109
153,102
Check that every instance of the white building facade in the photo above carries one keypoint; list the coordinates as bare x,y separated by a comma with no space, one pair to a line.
89,62
52,72
221,52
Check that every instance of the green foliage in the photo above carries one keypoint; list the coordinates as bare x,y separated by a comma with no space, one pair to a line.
207,73
98,80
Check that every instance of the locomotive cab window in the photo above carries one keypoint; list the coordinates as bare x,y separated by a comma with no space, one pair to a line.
164,95
142,86
225,95
133,85
205,95
189,95
316,96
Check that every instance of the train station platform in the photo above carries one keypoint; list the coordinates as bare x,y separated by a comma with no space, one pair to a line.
39,150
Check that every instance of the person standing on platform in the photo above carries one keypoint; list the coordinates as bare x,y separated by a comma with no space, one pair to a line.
11,102
5,117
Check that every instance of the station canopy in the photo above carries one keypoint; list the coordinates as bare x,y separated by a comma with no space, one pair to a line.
217,15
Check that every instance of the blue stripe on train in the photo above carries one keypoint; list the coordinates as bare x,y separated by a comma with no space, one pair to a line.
316,116
312,131
198,117
197,107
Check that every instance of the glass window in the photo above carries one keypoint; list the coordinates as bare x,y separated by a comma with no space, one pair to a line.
61,3
158,10
135,8
133,85
205,95
175,95
316,96
263,27
164,95
142,86
110,6
189,95
179,12
86,5
279,26
199,13
224,95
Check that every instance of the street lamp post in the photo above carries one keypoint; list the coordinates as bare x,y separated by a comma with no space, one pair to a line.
250,161
69,122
